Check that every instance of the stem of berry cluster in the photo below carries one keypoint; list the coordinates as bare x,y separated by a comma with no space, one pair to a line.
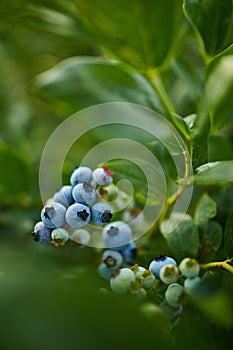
225,265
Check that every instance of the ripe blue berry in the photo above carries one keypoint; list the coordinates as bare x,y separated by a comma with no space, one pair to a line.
175,294
159,262
102,176
147,279
78,215
84,193
121,280
189,267
116,234
191,285
101,213
59,237
64,196
169,274
80,175
112,259
129,251
41,233
106,272
53,215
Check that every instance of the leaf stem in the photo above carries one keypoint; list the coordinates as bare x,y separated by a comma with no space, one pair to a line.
226,265
155,80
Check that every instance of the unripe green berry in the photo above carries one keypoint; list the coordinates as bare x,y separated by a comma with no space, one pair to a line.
147,279
189,267
191,285
175,294
169,274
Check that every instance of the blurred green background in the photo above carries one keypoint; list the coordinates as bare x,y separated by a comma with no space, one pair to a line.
49,298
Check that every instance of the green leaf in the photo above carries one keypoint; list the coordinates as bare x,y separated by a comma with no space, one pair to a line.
79,82
228,236
140,33
213,20
14,175
182,126
215,60
215,174
220,147
211,235
215,109
206,209
217,98
184,240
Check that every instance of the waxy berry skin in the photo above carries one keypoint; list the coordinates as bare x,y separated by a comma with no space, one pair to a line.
101,213
160,261
80,175
78,215
41,233
121,280
64,196
174,294
112,259
116,234
189,267
169,274
53,215
102,176
84,193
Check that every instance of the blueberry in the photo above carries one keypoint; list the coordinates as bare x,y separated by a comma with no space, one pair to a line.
106,272
112,259
64,196
159,262
138,270
78,215
102,176
41,233
129,252
169,274
84,193
53,215
81,237
80,175
175,294
189,267
116,234
136,289
191,285
121,280
59,237
147,279
101,213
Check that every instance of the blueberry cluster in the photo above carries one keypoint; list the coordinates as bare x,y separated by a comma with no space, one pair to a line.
74,206
141,282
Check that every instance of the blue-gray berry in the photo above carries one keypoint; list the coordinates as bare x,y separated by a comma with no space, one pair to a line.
116,234
53,215
106,272
64,196
80,175
84,193
159,262
78,215
41,233
101,213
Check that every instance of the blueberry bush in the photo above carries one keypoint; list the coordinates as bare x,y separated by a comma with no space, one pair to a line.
165,289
